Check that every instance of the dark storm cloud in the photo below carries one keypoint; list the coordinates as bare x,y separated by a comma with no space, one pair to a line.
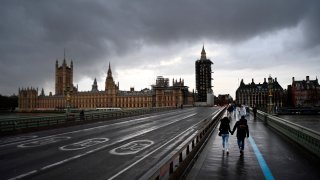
34,33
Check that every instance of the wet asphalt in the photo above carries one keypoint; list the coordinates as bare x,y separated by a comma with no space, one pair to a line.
282,158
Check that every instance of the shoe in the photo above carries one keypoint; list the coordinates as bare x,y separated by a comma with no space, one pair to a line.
227,151
241,152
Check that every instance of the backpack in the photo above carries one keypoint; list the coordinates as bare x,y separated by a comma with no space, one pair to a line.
242,128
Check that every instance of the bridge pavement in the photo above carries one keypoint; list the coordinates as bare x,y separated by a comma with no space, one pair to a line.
267,155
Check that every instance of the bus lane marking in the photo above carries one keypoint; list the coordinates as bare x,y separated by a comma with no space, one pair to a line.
132,147
42,142
83,144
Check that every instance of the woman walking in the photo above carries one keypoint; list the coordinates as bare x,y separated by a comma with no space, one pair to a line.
224,131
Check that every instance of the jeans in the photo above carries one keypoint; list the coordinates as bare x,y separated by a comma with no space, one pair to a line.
241,143
225,138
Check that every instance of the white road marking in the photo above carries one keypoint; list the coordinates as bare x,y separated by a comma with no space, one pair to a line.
42,142
83,130
83,144
23,175
133,164
130,136
132,147
15,139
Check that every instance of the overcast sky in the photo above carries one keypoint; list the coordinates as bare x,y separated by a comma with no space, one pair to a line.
145,39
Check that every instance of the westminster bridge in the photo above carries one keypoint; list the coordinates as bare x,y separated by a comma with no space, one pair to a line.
155,144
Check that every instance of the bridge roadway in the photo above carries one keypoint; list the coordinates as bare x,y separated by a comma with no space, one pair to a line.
267,155
117,149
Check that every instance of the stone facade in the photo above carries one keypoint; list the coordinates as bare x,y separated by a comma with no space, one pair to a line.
68,96
28,99
262,95
64,77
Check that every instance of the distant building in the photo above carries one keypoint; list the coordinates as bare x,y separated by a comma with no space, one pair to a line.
224,99
68,96
203,78
64,77
262,95
305,93
174,95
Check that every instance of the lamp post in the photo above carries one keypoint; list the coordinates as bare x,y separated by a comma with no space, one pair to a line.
270,108
270,102
68,103
68,99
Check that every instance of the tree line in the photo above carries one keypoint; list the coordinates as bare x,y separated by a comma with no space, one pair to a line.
8,103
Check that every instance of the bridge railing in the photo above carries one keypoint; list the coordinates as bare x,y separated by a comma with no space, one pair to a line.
178,162
305,137
22,124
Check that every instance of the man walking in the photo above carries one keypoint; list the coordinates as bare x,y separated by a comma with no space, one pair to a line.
242,132
254,112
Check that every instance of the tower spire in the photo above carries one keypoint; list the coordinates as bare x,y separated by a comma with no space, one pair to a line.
109,71
64,57
95,85
203,53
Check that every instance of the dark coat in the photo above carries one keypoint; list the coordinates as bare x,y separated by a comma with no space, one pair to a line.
225,126
255,110
242,128
230,108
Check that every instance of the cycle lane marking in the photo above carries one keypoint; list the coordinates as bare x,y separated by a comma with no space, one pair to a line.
83,144
130,136
132,147
82,130
263,165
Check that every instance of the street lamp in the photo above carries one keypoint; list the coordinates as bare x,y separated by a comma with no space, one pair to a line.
270,86
68,99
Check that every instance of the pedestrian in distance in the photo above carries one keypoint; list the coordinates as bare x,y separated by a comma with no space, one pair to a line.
229,110
254,110
242,111
224,129
82,114
247,110
242,132
234,110
238,110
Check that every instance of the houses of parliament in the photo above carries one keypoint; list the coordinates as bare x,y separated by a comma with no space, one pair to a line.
161,93
67,95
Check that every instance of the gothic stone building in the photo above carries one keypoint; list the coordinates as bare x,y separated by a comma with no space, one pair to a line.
260,94
66,95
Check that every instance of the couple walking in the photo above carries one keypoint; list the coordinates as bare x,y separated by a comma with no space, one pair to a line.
242,132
